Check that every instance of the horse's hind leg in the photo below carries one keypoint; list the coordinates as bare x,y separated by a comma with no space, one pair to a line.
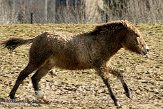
119,75
23,74
42,71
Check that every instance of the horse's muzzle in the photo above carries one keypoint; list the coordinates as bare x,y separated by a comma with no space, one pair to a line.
145,51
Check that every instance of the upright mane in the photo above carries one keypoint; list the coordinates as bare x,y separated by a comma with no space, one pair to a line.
113,26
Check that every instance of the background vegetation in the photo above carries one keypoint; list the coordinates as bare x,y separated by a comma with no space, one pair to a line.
80,11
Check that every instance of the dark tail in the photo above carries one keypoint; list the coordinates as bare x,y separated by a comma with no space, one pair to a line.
13,43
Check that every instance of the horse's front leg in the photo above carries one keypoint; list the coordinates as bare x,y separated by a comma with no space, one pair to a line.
104,75
119,75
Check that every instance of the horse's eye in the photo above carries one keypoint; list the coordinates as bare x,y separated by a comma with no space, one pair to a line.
137,35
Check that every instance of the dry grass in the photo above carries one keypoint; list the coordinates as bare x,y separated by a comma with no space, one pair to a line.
84,89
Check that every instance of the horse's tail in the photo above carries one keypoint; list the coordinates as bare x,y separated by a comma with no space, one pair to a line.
13,43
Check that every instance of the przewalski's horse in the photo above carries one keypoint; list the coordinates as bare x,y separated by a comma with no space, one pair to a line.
91,50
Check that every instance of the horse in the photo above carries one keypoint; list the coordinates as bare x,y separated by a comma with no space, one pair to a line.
89,50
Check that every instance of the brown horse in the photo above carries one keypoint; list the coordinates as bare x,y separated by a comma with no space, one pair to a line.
91,50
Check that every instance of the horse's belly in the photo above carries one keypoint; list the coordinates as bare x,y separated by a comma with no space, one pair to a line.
70,64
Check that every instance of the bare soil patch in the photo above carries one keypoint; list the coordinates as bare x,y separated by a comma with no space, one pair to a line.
84,89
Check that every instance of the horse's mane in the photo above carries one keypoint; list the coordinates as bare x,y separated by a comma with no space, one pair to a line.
113,26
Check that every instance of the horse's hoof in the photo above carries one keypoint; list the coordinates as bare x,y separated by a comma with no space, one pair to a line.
12,97
117,104
38,94
128,94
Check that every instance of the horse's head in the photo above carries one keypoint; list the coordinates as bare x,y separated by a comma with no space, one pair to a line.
134,42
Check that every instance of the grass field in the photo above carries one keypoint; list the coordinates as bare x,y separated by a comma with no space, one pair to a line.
84,89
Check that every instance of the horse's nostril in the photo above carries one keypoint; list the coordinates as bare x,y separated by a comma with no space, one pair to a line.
147,50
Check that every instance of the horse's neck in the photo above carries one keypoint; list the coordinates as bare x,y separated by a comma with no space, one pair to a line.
113,44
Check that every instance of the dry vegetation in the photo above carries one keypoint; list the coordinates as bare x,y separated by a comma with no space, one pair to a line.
84,89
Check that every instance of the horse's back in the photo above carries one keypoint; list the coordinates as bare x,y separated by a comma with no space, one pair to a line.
66,50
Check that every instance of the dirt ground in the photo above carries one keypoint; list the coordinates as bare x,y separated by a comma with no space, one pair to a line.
84,89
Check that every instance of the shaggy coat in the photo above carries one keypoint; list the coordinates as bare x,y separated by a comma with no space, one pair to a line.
84,51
